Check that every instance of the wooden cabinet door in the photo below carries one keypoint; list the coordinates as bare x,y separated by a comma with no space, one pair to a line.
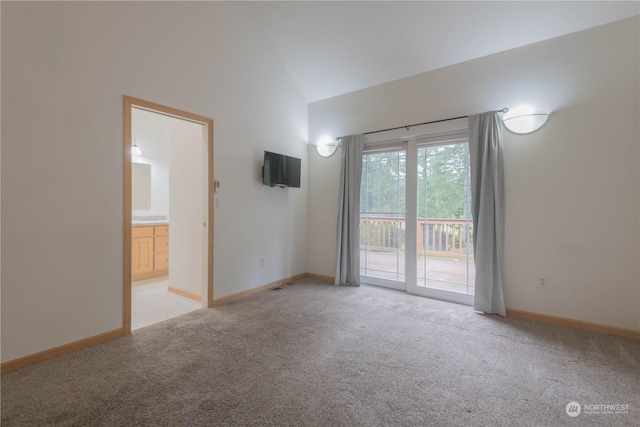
161,245
142,254
161,262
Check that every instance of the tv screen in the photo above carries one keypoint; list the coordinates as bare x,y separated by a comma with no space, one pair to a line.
280,170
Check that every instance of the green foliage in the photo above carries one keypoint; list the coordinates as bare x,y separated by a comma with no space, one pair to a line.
443,182
383,189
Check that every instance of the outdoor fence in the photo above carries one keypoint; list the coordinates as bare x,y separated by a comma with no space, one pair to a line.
436,237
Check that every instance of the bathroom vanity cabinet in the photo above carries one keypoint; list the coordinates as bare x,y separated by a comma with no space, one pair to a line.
150,251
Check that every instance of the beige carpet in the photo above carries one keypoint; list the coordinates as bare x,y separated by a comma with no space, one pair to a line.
312,354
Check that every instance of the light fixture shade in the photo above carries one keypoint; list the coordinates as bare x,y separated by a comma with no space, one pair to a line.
135,150
326,150
525,123
326,146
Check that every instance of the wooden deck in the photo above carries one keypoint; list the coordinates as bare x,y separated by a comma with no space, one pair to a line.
444,273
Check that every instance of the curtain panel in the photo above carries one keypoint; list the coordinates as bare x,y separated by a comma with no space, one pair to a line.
487,199
348,257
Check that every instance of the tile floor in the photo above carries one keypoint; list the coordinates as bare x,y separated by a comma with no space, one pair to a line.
152,303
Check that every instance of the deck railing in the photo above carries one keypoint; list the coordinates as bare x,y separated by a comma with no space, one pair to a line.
436,237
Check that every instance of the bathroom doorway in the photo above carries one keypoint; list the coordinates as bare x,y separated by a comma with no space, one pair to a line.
168,212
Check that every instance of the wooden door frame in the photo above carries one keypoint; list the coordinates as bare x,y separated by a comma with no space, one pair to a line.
129,103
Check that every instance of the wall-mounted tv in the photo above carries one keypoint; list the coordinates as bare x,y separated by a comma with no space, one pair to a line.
279,170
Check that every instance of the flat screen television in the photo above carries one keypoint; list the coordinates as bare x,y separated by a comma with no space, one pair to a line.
279,170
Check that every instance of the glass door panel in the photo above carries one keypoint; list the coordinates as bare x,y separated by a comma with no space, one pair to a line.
383,218
444,227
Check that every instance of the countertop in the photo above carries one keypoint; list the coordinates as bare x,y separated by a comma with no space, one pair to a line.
147,223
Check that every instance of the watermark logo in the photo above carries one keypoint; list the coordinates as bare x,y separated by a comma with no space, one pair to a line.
573,409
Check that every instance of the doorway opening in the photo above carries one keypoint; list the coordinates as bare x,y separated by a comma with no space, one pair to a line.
168,212
416,229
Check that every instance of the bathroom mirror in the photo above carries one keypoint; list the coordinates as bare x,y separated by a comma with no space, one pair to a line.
140,186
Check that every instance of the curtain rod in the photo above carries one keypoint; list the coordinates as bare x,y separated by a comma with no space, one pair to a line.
504,110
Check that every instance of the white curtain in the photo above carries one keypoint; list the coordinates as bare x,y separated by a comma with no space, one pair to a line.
348,263
487,198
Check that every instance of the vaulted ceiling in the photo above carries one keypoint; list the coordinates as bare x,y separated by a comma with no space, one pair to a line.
331,48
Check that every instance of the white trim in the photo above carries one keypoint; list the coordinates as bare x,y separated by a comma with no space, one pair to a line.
411,218
385,283
384,146
440,294
443,138
419,291
432,139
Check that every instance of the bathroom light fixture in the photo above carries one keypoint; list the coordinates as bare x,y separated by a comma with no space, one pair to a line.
135,150
524,119
326,146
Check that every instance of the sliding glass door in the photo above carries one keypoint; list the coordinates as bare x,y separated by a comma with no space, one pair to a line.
383,218
415,218
444,224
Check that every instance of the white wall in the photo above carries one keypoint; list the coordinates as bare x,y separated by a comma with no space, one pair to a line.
188,164
572,186
151,132
66,67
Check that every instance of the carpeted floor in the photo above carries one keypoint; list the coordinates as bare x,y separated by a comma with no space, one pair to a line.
312,354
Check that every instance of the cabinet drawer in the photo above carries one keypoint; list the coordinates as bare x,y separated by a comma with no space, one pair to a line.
161,261
162,230
141,232
161,244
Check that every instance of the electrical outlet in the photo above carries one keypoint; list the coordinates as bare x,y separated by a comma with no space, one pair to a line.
543,282
261,261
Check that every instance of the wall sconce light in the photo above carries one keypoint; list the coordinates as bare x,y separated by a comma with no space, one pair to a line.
326,146
135,150
524,119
